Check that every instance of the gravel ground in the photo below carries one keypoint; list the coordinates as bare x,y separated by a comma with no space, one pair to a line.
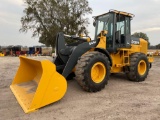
120,100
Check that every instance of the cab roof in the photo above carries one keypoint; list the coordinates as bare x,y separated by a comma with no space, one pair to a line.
117,12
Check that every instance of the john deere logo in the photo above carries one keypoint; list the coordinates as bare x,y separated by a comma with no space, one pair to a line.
134,42
93,42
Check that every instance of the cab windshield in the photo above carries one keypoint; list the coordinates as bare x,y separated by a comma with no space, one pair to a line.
105,22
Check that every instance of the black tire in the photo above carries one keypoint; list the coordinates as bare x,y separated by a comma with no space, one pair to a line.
83,71
135,60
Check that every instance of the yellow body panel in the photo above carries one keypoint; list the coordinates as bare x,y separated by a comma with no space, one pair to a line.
102,42
37,83
144,46
117,61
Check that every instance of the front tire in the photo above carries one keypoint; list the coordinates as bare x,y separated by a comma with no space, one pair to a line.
92,71
139,67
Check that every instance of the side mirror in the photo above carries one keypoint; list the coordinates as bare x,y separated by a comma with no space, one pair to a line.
118,36
94,23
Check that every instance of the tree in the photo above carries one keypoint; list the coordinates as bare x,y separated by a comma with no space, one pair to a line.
48,17
158,46
142,35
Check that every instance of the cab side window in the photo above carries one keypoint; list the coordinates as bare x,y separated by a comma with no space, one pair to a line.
120,26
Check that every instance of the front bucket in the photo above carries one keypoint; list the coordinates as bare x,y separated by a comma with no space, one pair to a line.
37,83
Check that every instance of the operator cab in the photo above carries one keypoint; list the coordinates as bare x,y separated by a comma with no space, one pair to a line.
117,24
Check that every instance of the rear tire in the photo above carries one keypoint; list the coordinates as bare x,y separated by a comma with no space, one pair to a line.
92,71
139,67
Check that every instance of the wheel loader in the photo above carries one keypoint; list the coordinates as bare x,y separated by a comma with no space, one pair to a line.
114,50
1,52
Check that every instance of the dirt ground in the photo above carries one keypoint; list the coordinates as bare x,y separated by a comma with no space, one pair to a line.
120,100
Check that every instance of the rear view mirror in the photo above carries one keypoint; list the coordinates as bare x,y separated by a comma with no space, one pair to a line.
94,23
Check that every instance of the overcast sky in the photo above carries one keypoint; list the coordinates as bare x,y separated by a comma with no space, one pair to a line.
147,19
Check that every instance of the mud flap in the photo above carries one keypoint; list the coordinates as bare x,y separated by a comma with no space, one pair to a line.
37,84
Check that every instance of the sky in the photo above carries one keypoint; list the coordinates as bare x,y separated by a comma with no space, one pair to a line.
147,19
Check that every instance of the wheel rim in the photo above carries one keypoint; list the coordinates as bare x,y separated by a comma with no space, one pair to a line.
98,72
142,67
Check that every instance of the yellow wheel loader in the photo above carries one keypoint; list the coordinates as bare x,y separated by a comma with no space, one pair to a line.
39,83
1,55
